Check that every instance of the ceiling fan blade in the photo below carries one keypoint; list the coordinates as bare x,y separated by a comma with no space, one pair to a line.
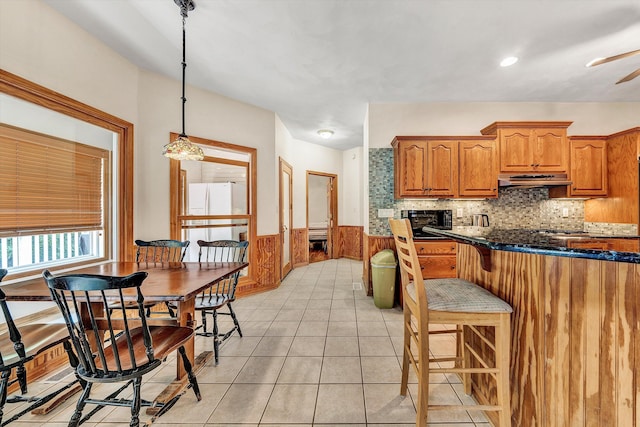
613,58
628,77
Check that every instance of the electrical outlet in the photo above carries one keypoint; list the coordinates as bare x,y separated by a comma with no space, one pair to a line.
459,213
565,212
385,213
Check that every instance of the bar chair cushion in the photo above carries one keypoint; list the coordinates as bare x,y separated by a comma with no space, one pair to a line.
459,295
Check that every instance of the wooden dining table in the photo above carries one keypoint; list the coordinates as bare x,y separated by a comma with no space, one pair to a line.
178,282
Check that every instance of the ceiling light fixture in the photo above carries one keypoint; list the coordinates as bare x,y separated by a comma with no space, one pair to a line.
508,61
182,148
325,133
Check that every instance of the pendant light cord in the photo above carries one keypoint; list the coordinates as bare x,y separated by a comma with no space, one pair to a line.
184,66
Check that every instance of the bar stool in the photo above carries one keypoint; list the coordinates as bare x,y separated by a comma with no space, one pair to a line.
454,302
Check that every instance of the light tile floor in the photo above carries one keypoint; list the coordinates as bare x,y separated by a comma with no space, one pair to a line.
315,352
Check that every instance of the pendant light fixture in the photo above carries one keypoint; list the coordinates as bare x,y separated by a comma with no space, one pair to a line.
182,148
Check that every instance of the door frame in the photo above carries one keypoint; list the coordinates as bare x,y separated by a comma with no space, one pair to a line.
285,167
333,209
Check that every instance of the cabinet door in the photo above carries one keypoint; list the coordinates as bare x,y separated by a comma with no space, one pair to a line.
550,150
442,168
435,267
411,176
515,150
588,167
478,168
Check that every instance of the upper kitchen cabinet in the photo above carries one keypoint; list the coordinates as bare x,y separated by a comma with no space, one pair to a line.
478,167
622,205
538,147
425,167
588,159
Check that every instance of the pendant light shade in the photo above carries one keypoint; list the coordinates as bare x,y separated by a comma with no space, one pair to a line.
181,148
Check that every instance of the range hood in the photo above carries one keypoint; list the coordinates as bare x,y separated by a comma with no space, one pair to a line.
531,180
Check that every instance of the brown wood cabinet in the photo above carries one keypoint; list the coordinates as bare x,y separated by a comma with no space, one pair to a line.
621,204
588,159
437,258
531,146
425,167
478,168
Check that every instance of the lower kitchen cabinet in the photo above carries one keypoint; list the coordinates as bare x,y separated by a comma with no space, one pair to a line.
437,258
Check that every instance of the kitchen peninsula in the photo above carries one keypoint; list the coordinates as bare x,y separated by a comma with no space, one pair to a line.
575,355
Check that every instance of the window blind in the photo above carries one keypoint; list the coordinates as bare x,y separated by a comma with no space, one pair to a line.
48,184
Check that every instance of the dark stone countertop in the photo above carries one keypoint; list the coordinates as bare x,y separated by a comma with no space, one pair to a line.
575,244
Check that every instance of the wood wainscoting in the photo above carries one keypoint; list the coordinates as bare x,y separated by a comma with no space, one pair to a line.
575,341
349,242
266,254
300,255
373,245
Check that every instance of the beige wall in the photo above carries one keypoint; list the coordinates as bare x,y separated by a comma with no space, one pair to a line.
210,116
303,157
41,45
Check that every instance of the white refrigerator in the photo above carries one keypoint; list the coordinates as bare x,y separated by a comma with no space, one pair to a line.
219,198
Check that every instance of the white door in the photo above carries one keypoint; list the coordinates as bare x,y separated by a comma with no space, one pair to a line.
286,215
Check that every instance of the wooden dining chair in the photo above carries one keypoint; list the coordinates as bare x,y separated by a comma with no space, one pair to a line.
221,293
158,252
114,345
20,345
451,302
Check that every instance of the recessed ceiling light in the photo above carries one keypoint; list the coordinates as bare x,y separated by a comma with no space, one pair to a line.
508,61
325,133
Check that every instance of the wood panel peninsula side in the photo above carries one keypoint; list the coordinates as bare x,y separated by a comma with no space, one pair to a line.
575,341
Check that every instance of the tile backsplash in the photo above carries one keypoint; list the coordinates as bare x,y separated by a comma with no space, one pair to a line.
514,207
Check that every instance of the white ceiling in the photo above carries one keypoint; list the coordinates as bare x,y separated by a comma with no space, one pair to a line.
317,63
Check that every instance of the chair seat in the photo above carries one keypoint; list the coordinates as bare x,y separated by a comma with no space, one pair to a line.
165,340
212,301
459,295
35,337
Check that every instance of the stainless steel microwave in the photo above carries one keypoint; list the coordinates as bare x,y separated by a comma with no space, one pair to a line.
439,218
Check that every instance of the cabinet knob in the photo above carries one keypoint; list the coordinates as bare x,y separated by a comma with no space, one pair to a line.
575,188
453,267
453,248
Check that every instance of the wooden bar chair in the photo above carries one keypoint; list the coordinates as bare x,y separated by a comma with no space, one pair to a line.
451,302
158,252
221,293
114,345
20,345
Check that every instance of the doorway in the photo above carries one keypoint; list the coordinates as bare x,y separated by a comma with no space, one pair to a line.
286,216
322,209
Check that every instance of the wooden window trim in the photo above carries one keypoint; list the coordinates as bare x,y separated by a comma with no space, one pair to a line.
175,198
21,88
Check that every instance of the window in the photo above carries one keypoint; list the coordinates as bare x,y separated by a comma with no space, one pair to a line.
34,108
54,200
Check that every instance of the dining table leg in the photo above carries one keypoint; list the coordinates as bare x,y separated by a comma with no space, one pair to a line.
186,318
